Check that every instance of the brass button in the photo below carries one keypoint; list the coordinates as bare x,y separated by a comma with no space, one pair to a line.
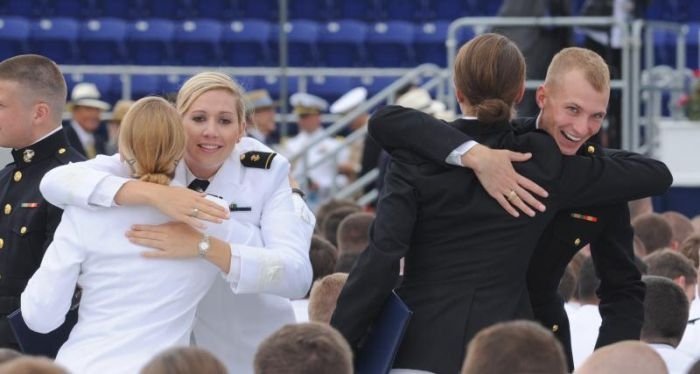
8,209
18,176
590,149
2,243
555,328
577,241
61,151
23,230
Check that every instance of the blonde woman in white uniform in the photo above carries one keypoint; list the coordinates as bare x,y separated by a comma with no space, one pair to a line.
249,300
131,308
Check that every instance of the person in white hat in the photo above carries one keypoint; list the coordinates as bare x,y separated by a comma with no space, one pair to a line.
308,108
343,106
260,119
86,108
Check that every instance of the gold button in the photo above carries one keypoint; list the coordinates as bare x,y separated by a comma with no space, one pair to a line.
577,241
555,328
18,176
2,243
23,230
8,209
590,149
61,151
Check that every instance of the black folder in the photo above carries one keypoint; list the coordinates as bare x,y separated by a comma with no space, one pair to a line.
382,343
34,343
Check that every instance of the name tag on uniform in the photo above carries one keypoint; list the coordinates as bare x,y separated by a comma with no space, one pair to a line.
584,217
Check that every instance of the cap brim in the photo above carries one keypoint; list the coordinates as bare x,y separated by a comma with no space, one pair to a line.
92,103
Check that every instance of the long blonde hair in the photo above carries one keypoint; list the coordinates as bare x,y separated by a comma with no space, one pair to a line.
152,139
207,81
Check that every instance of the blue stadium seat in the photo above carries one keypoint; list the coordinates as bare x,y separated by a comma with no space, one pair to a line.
101,41
429,43
149,41
14,32
404,10
692,47
669,10
170,9
20,8
248,82
341,43
246,43
664,48
330,88
366,10
450,10
118,9
318,10
55,38
302,39
376,84
171,83
261,9
146,85
217,9
104,83
197,42
486,8
390,44
272,84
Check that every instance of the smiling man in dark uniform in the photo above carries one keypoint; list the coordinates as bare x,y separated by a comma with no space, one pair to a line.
565,113
32,98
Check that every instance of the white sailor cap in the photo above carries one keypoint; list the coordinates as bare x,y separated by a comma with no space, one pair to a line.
305,103
349,101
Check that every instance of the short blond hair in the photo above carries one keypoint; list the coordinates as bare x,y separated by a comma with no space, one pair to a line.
324,296
152,139
593,67
207,81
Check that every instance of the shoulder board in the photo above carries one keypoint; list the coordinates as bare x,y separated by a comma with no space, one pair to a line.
255,159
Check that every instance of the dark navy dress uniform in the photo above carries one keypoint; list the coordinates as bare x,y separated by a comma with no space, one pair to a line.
27,221
466,260
606,228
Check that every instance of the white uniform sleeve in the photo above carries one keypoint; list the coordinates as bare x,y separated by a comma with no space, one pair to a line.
455,157
88,183
282,267
47,297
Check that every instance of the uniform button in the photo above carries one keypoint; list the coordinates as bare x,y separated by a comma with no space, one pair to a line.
8,209
23,230
2,243
590,149
61,151
18,176
555,328
577,241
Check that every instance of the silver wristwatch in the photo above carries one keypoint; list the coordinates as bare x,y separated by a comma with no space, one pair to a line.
203,246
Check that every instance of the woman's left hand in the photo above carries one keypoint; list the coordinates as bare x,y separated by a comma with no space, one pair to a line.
171,240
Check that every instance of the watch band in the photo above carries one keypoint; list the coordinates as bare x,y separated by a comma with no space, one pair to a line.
203,246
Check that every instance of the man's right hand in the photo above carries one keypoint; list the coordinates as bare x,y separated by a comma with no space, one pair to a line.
494,169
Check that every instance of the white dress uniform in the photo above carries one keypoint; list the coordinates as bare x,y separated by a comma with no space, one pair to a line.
585,323
325,174
676,361
263,278
690,344
131,308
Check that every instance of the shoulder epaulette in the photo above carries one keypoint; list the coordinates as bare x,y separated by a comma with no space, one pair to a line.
255,159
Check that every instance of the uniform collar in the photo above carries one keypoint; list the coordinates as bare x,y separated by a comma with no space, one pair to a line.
475,127
49,146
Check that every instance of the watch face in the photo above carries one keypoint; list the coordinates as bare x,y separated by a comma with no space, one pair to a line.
203,246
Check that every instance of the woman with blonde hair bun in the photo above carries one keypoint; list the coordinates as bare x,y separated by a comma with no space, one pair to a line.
131,307
265,260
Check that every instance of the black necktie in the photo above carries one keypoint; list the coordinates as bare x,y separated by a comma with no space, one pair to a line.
199,185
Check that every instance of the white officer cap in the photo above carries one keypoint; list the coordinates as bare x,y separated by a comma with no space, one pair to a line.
305,103
349,101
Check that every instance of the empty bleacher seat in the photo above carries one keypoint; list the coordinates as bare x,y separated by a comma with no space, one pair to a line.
302,38
197,42
101,41
55,38
692,47
330,88
272,84
341,43
217,9
450,10
118,9
390,44
246,43
68,8
261,9
429,42
366,10
20,8
404,10
318,10
14,32
149,41
376,84
146,85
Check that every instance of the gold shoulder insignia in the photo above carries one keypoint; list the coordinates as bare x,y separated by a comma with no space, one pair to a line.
260,160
